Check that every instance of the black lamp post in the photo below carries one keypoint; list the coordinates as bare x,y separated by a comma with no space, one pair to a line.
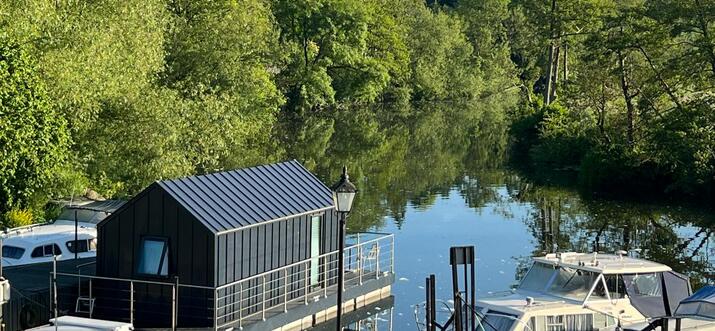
343,194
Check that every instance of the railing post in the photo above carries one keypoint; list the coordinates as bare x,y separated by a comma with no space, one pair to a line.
392,254
91,302
263,298
326,274
240,307
359,261
131,302
307,282
216,309
173,307
285,290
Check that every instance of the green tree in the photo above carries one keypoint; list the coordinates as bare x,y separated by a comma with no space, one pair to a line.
33,136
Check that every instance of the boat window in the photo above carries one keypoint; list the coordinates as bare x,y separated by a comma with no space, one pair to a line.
572,322
616,288
46,251
154,257
647,285
495,321
555,323
12,252
572,283
537,277
83,245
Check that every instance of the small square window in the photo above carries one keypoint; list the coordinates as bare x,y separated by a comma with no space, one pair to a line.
154,257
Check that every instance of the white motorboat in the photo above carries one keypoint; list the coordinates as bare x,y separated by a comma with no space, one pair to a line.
578,292
40,243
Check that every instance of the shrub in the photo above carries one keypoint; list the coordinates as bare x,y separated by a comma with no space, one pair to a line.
18,217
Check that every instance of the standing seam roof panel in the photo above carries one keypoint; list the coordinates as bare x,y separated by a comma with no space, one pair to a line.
234,199
300,198
216,218
240,195
286,189
218,200
309,193
256,179
256,196
312,183
239,207
180,197
276,193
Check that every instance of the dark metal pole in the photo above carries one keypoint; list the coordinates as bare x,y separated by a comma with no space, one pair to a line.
432,300
76,241
341,271
428,305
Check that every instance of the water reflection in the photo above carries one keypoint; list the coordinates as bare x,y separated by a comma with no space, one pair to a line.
438,178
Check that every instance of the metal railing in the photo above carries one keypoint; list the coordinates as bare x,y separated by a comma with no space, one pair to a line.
367,256
371,256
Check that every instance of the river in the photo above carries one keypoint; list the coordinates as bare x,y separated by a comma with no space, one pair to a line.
441,177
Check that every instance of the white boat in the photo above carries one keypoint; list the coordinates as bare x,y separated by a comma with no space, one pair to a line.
40,243
72,323
578,292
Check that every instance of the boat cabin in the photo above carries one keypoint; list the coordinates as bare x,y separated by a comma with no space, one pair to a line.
577,291
40,243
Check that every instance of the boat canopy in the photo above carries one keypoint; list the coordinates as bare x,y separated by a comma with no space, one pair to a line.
700,304
656,294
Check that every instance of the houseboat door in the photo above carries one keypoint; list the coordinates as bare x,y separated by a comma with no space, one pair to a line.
315,250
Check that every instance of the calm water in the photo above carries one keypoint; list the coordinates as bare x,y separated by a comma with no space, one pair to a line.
440,179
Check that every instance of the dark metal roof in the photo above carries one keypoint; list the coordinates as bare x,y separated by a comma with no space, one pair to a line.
229,200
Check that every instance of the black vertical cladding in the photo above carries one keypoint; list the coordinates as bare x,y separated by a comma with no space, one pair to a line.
219,231
155,213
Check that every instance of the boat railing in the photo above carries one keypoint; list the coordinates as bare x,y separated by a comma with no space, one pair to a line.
368,256
23,229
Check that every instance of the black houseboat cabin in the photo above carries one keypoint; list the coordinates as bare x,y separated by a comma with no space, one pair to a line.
229,249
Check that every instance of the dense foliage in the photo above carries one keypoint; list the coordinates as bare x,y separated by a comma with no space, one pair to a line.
122,93
625,92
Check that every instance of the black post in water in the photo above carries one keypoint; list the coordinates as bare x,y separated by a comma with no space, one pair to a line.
428,306
464,256
433,309
341,270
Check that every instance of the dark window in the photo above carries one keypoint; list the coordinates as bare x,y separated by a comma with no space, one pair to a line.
83,245
12,252
46,250
154,257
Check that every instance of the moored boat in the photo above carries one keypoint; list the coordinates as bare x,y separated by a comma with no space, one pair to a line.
579,291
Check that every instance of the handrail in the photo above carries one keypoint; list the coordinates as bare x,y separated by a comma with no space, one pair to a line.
85,264
132,280
301,262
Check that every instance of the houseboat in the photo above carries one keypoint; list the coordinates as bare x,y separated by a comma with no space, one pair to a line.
250,249
580,291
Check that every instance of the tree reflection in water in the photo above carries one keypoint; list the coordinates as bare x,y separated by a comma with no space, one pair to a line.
404,161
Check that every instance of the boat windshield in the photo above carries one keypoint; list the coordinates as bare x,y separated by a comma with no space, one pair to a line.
572,283
562,281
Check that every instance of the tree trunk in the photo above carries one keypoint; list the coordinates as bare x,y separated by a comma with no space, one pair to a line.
602,111
550,65
566,63
555,74
625,88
